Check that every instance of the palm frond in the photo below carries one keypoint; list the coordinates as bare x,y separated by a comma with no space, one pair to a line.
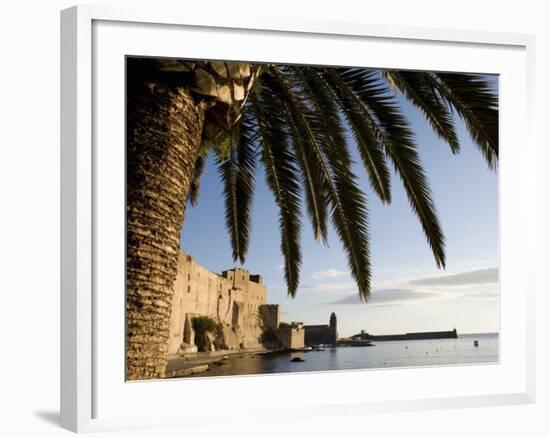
477,104
283,180
312,177
237,173
348,204
370,148
381,112
194,188
418,88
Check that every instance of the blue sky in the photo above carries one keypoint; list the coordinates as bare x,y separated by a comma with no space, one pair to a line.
409,292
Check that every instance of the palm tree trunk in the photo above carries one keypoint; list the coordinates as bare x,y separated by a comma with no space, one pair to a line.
163,137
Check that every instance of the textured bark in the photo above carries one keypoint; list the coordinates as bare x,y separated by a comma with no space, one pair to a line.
224,85
163,137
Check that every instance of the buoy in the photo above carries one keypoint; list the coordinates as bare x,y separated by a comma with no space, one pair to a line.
476,343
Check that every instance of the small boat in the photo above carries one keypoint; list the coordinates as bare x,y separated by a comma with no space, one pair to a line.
360,343
476,343
297,359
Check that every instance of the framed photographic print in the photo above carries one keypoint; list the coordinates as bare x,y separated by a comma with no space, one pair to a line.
250,207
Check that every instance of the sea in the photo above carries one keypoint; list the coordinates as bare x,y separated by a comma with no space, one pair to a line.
386,354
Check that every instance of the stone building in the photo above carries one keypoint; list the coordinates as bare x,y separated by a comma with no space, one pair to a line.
322,334
234,299
291,335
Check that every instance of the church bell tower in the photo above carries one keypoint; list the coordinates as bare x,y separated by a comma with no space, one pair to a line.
333,328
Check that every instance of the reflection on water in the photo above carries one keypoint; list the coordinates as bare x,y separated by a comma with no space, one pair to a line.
382,355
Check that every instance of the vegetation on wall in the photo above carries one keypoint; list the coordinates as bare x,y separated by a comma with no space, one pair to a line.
203,324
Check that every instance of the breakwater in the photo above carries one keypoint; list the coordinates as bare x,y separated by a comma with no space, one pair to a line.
451,334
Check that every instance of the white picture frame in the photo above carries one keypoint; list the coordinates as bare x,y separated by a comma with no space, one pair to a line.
92,391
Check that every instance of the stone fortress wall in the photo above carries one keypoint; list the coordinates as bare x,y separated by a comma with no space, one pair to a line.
232,299
236,301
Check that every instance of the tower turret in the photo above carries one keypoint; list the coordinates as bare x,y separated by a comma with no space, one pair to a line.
333,320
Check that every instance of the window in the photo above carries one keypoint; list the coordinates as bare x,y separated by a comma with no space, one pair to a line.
188,289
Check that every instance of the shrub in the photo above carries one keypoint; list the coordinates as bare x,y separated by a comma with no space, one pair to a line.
203,324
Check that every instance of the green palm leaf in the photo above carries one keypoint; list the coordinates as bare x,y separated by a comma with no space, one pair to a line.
237,174
347,202
390,127
472,97
418,88
311,170
370,148
194,188
283,180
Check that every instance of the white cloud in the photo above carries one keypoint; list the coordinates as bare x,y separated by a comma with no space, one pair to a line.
329,273
474,284
388,296
468,278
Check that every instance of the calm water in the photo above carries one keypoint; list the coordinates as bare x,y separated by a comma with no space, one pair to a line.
381,355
